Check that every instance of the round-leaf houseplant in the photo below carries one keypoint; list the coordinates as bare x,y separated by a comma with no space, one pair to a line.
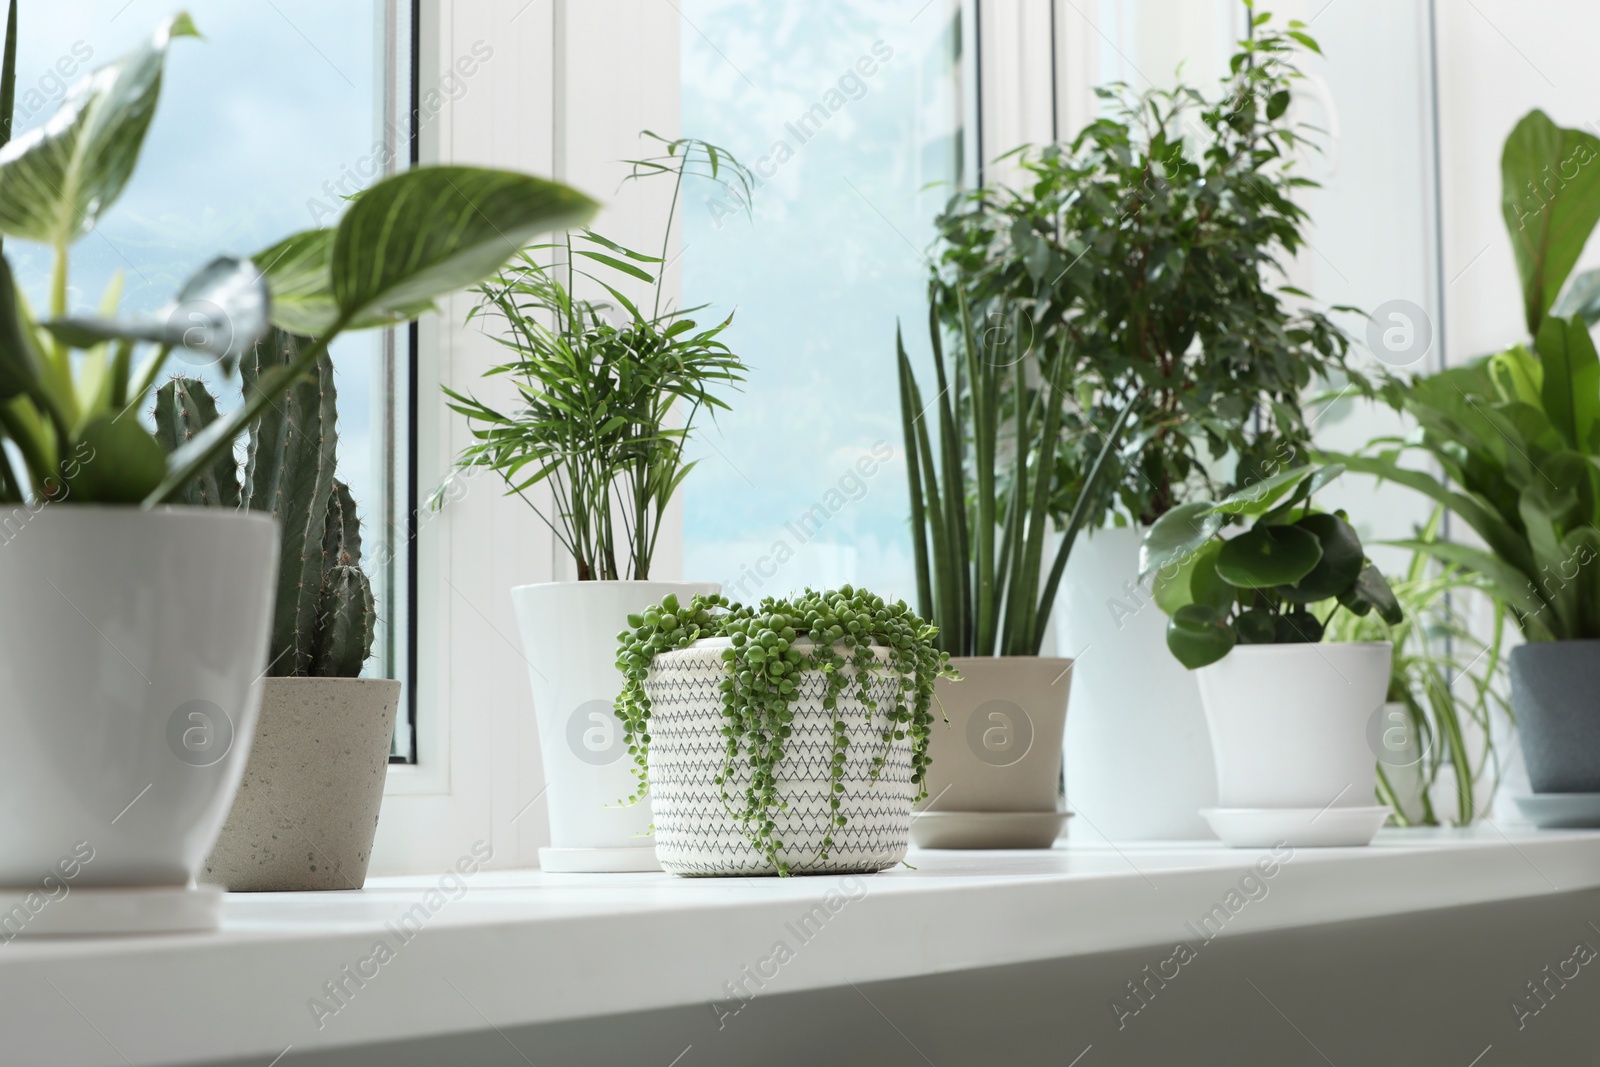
787,738
1287,713
607,396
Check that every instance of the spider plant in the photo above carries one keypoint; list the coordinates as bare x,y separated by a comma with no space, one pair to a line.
1450,678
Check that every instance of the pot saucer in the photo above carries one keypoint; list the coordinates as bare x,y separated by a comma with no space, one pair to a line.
102,910
987,829
1297,827
1561,811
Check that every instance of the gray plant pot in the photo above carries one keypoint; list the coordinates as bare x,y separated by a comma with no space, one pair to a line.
307,810
1555,691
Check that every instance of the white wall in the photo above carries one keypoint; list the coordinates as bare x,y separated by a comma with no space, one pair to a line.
1498,59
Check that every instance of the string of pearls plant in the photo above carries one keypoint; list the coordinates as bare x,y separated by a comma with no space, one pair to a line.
772,645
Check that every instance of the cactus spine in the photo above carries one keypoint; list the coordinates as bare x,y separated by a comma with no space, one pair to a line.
325,618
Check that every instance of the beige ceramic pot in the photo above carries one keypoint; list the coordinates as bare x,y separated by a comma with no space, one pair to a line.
1001,751
307,810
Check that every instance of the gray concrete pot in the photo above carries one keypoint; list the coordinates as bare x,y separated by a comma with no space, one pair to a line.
307,810
1555,692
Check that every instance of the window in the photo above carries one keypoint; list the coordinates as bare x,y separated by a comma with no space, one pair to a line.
851,117
262,129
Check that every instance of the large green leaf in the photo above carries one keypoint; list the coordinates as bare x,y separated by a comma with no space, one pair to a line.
1550,197
1511,585
1266,556
1571,387
1582,298
1371,590
19,371
1178,534
59,178
1490,524
1192,579
1340,565
1517,374
1303,492
220,313
127,462
1198,635
433,230
408,239
298,274
1258,498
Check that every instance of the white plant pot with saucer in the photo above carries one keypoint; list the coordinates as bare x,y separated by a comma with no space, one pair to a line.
1289,726
569,638
1138,754
132,664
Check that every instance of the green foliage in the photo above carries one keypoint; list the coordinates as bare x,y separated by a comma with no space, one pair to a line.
1143,252
1263,586
1512,438
595,398
1550,198
1450,680
980,521
772,645
67,382
324,618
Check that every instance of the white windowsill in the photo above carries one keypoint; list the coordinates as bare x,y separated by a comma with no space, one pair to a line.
522,947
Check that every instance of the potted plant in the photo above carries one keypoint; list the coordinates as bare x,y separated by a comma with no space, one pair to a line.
320,755
1287,712
789,738
980,527
1438,762
607,393
1515,438
1150,250
139,726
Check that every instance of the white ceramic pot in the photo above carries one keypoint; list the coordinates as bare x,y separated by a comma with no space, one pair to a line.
698,834
569,638
131,653
1289,723
1138,757
307,809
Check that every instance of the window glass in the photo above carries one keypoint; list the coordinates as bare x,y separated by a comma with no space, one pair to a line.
263,127
850,116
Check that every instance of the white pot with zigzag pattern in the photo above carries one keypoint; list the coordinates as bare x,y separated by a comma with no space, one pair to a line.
696,829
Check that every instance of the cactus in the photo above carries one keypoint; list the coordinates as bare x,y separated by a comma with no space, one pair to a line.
183,409
324,620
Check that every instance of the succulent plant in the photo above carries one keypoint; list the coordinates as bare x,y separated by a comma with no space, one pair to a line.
325,617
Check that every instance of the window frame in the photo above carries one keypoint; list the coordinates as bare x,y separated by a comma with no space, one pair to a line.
569,86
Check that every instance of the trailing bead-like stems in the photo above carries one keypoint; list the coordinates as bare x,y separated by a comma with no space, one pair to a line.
851,636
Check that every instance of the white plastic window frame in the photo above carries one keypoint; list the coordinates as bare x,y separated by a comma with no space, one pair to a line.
550,87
